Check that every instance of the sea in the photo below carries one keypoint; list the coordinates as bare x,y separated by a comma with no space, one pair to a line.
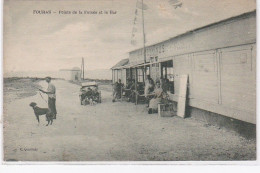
101,74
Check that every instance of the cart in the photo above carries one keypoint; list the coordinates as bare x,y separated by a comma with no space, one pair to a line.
89,93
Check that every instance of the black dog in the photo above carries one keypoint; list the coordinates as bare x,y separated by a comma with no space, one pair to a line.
42,111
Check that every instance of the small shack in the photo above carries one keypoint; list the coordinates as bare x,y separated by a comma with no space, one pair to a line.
73,74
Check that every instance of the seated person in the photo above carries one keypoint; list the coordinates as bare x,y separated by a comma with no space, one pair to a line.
166,86
140,88
132,93
129,83
95,94
82,93
127,88
86,96
119,88
158,96
148,90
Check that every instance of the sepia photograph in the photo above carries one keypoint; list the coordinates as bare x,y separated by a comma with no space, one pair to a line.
129,81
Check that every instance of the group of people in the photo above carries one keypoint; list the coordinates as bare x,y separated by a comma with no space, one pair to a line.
117,90
128,90
154,92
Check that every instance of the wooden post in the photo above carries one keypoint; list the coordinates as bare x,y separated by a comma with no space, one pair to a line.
143,71
112,76
166,76
131,75
83,69
117,75
160,70
143,32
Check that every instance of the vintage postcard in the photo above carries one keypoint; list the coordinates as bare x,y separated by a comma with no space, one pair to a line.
129,80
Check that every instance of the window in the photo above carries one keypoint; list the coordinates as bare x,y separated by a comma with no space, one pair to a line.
140,75
151,59
132,73
168,74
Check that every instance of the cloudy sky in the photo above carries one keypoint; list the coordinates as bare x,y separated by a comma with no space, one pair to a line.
34,42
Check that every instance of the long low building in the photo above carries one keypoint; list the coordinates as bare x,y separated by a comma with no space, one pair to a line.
220,60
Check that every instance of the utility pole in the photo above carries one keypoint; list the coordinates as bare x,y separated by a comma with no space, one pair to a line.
143,37
143,31
82,69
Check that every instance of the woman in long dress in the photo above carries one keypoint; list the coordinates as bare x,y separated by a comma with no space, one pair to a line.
158,94
149,87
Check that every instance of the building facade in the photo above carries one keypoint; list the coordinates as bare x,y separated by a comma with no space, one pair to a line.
220,60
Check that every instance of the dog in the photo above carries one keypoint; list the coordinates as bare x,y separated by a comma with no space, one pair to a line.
42,111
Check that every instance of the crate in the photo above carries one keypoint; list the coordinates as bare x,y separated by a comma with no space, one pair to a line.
166,110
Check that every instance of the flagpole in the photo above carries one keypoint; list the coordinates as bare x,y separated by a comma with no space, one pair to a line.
83,69
143,36
81,74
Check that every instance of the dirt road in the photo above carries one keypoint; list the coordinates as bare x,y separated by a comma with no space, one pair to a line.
109,131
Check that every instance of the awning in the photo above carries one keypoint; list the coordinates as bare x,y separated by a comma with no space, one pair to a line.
140,64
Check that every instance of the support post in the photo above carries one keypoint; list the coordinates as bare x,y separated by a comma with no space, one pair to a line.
112,76
143,31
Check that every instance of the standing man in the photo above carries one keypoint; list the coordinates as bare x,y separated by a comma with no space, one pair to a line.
51,92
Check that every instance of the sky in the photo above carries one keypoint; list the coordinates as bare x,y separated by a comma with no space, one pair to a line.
49,42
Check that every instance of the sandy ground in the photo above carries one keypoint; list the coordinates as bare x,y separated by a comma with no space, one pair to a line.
109,131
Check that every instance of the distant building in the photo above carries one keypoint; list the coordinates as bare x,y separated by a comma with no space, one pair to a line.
76,74
73,74
220,60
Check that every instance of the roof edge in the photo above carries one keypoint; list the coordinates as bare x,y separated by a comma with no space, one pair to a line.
246,14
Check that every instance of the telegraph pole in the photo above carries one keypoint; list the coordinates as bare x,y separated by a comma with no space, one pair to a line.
143,31
143,37
82,68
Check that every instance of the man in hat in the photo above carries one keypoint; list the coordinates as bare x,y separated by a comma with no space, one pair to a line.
51,92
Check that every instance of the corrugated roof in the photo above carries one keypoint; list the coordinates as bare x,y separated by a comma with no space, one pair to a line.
121,63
